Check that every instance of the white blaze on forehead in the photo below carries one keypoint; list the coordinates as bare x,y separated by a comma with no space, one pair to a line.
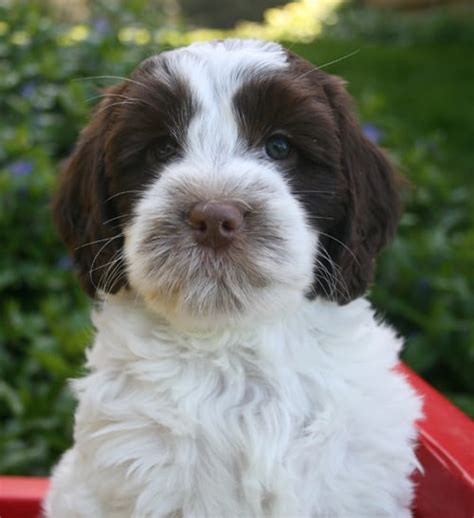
214,71
225,62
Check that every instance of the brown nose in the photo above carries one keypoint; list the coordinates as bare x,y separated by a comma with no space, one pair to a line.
214,223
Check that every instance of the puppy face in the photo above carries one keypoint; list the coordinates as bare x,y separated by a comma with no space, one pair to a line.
225,179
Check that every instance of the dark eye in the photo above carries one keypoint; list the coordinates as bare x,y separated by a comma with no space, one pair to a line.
164,148
278,147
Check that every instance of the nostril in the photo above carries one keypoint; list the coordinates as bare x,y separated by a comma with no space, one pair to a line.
230,225
200,226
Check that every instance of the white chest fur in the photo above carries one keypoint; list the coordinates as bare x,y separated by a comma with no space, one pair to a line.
303,417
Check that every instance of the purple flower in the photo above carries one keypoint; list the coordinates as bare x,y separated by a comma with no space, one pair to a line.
21,168
64,263
372,132
28,89
101,25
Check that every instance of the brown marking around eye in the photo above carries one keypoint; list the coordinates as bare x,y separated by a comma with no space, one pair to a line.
108,170
345,183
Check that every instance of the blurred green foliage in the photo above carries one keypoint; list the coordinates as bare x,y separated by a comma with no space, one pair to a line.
44,316
414,85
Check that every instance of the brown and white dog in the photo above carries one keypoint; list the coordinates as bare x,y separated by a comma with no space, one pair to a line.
226,210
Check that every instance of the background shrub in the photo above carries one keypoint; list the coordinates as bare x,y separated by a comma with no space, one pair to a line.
412,82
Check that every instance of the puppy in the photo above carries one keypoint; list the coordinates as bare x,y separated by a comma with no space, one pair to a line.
225,210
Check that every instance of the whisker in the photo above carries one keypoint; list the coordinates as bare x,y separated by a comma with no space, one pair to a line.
121,96
97,241
131,191
108,106
324,273
97,255
106,289
342,58
337,278
319,67
342,244
120,78
113,273
106,265
128,215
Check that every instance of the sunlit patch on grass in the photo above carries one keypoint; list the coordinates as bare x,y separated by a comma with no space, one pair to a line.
76,34
296,21
134,35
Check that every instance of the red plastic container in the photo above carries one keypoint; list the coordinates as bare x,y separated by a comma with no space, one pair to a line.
446,452
20,497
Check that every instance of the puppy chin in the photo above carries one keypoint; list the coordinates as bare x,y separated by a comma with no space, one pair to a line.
210,305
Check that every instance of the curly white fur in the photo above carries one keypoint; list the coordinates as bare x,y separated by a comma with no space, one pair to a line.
296,418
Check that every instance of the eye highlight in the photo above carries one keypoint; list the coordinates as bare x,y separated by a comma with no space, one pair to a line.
278,147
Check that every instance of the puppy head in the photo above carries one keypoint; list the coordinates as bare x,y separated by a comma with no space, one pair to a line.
226,179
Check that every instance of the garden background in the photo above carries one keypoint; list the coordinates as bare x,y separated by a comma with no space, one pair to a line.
412,75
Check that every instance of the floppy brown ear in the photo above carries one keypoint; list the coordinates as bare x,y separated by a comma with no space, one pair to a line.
373,209
81,208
